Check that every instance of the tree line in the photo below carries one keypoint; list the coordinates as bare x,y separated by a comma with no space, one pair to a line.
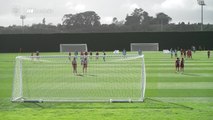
89,21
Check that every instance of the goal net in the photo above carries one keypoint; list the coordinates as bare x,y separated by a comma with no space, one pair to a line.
144,46
51,79
73,47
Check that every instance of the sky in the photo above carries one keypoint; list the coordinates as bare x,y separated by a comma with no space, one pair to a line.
53,10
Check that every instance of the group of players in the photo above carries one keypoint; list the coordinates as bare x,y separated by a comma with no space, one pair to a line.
179,64
36,55
184,53
84,59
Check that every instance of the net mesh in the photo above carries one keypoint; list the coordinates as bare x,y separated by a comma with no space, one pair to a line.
73,47
51,78
144,46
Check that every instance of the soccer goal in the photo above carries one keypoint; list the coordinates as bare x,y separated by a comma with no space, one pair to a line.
51,79
73,47
144,46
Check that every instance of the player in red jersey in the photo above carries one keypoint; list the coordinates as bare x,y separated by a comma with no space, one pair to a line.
190,54
182,53
208,53
74,65
85,62
182,65
177,65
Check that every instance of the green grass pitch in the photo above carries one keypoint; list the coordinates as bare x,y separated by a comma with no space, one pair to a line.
169,95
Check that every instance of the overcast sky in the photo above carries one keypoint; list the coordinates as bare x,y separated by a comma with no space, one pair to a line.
53,10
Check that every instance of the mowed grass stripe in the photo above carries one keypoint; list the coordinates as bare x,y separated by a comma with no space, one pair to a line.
179,75
184,99
179,92
184,85
156,79
190,65
201,69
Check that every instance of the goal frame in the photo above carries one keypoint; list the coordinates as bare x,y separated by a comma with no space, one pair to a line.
144,44
20,97
67,45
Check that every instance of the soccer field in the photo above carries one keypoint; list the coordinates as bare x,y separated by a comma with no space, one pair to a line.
169,95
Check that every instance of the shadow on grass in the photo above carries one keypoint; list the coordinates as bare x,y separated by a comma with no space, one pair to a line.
172,103
191,74
82,75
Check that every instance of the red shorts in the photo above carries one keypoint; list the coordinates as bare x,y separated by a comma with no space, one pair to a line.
74,66
85,65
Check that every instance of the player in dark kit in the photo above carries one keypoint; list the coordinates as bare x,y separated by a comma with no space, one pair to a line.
70,56
37,55
177,65
32,56
171,51
97,55
208,53
184,53
182,65
90,53
175,51
86,53
74,65
104,56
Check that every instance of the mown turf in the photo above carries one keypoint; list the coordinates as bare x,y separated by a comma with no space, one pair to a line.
169,95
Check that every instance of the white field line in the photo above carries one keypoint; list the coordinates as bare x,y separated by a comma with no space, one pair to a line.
35,60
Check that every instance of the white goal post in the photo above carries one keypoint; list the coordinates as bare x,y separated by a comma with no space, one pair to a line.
73,47
51,79
144,46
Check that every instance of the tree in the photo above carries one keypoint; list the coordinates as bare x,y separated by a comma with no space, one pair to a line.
138,12
132,20
114,20
147,20
85,19
135,18
162,18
